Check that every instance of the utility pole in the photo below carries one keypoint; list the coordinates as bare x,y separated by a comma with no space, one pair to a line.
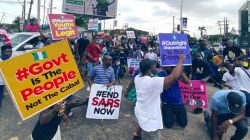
181,16
31,3
44,8
225,24
173,24
51,6
3,14
24,15
38,11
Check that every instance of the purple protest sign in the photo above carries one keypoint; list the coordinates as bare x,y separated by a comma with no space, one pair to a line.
171,46
194,94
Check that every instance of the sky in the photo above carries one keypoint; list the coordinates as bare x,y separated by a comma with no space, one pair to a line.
155,16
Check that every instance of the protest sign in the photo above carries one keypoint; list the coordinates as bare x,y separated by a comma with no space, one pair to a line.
93,24
104,102
194,94
62,26
41,78
130,34
133,65
171,46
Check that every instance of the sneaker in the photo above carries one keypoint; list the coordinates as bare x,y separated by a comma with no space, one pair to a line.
88,88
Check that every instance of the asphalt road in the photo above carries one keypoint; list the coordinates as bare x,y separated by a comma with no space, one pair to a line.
81,128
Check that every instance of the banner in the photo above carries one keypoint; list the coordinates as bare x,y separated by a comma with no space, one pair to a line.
104,102
93,24
41,78
130,34
184,23
133,65
98,8
194,94
171,46
62,26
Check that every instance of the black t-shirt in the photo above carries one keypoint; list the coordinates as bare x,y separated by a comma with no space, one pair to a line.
82,42
46,131
231,52
200,69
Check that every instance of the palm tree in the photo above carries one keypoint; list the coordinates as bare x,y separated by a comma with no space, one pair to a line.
202,28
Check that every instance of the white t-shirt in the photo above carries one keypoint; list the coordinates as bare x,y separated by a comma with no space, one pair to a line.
148,109
151,56
230,80
243,79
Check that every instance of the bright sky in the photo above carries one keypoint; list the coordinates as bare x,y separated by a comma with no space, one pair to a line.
154,15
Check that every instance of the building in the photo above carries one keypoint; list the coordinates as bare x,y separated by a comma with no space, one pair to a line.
244,19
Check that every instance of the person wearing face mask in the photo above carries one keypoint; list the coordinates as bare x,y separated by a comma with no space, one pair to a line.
6,52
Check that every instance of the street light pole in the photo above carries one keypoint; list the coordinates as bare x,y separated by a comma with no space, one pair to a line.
181,16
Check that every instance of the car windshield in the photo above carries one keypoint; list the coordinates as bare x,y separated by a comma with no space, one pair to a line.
17,39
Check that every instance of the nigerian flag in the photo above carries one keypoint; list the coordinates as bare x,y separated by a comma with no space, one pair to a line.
39,55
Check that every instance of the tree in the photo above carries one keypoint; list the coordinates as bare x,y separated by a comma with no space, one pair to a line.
82,21
16,24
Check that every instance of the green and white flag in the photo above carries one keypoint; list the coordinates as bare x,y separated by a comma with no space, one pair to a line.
39,55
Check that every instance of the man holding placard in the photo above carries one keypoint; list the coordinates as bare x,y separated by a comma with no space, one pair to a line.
147,109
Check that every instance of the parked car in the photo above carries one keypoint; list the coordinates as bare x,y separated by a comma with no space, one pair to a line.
25,42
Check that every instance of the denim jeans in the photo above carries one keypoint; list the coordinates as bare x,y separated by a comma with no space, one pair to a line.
247,94
1,94
172,112
241,126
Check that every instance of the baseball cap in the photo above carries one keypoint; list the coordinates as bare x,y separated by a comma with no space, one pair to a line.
234,102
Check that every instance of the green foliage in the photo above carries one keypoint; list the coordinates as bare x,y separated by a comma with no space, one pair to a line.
82,21
16,24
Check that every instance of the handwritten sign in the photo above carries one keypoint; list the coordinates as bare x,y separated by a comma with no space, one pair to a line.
194,94
41,78
133,65
104,102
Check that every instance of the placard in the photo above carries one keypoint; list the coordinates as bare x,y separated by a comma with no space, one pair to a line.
104,102
41,78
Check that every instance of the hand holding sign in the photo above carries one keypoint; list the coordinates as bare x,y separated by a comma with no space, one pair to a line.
182,57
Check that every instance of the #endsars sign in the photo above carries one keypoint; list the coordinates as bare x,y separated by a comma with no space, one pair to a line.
104,102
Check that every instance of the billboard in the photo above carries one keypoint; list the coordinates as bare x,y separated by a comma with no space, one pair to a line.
98,8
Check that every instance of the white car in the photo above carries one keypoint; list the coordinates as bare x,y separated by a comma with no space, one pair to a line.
25,42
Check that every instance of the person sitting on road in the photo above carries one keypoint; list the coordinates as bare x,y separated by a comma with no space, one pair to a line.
228,108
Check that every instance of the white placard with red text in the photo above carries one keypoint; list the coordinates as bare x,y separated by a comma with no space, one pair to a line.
104,102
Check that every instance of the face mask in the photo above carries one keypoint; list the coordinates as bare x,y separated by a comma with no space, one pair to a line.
244,64
4,56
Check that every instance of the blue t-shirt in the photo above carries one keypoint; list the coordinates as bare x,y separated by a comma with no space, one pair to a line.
219,101
171,95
